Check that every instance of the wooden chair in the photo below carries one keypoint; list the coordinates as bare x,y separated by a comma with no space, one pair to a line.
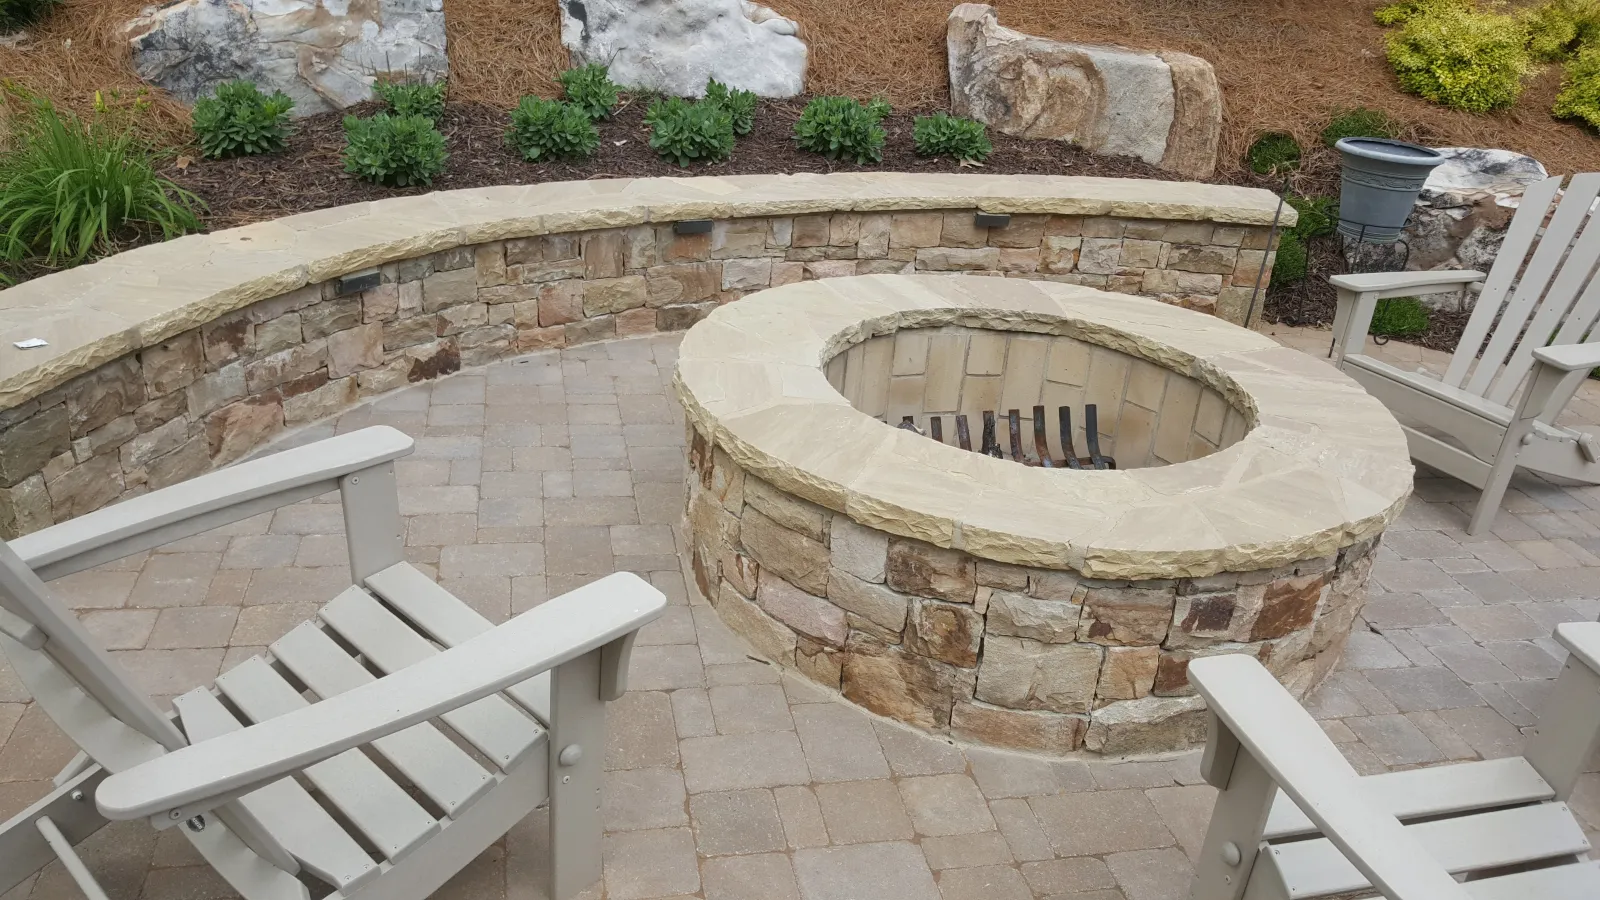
274,773
1471,422
1293,820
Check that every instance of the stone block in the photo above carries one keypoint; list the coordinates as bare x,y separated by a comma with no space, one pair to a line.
786,273
738,238
635,322
1126,615
458,319
892,682
330,316
913,230
24,508
1024,232
275,334
857,549
829,268
333,397
874,602
560,302
914,567
147,447
602,254
791,555
596,329
1038,732
1020,262
1002,575
741,572
789,511
380,304
85,488
820,663
1146,725
809,231
226,338
444,289
109,436
238,428
679,318
1018,615
804,612
1203,259
223,386
1023,674
26,446
1289,605
767,635
1100,256
1059,254
961,230
354,349
613,295
948,632
948,259
683,283
188,461
746,274
172,364
1128,673
410,332
873,240
285,365
1201,620
94,399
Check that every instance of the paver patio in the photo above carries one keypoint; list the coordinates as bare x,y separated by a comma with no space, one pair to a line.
730,780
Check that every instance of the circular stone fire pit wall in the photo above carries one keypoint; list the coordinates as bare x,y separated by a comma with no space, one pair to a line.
1041,609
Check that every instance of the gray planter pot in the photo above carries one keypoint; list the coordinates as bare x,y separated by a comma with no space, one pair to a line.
1380,183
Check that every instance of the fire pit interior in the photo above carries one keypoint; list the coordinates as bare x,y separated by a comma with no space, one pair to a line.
1038,607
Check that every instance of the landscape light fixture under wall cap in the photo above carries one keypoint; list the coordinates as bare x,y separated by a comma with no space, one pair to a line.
991,220
356,282
692,226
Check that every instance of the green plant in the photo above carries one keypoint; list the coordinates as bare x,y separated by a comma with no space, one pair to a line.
551,129
1559,28
15,14
590,89
1472,61
1318,216
1399,13
1272,153
841,128
239,120
1360,122
73,187
942,135
399,151
413,98
1290,264
1399,317
1580,88
687,132
740,105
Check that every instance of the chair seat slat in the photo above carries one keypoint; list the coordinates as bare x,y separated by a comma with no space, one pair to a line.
1579,881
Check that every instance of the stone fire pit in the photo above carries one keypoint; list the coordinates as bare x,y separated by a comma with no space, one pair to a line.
1027,607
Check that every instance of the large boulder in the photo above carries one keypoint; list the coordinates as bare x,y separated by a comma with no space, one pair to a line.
1164,108
676,46
326,54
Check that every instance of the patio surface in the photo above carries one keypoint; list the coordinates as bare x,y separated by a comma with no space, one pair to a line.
731,781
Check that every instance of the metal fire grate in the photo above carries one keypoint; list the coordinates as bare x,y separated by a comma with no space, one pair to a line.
1041,445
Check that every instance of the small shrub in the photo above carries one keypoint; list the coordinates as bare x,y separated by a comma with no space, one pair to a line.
687,132
1465,60
740,105
1360,122
1399,317
959,139
413,98
1399,13
16,14
398,151
841,128
1273,153
1559,28
1290,264
1318,216
239,120
551,129
71,188
1580,88
590,89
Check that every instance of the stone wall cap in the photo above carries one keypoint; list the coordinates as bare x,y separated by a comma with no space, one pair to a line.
1323,465
95,313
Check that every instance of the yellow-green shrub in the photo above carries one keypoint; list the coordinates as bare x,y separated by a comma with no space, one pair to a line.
1580,88
1397,13
1557,29
1473,61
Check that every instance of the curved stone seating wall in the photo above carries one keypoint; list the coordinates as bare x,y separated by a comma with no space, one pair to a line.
174,358
1147,415
1041,609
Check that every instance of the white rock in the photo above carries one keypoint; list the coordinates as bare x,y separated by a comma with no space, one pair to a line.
676,46
1472,170
325,54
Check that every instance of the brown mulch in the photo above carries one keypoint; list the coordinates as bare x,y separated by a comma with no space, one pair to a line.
310,174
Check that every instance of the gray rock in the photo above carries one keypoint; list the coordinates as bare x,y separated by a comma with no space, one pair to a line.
325,54
676,46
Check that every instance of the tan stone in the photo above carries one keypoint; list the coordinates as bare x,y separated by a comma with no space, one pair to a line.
613,295
182,464
1146,725
24,507
1018,615
892,682
1039,732
104,394
445,289
1196,118
790,555
961,230
109,436
26,446
355,349
172,364
1023,232
380,304
913,230
1289,605
330,316
489,262
85,488
947,259
1128,674
1022,674
767,635
809,231
859,550
726,482
746,274
791,512
235,430
1000,575
947,632
220,387
873,239
820,663
458,319
1126,615
283,366
806,613
1213,260
1201,620
602,254
335,396
914,567
147,447
560,302
874,602
683,283
635,322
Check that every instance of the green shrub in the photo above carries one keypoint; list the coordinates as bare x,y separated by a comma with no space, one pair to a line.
1399,317
590,89
959,139
1559,28
1273,153
239,120
1360,122
1580,88
687,132
551,129
740,105
1318,216
1399,13
841,128
399,151
413,98
71,188
15,14
1466,60
1290,264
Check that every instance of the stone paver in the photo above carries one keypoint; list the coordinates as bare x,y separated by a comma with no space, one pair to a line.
728,779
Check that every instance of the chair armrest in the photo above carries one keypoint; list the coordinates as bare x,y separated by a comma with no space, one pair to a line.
208,773
207,502
1570,357
1279,734
1403,284
1582,640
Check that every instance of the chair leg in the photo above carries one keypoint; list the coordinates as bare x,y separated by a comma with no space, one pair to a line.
577,761
1233,839
1494,488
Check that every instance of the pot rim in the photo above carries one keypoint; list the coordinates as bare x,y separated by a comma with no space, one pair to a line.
1389,150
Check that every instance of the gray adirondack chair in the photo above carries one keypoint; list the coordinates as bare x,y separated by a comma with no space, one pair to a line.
1294,821
1529,344
271,774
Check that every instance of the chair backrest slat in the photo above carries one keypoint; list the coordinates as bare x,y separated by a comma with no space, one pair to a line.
1513,250
1569,216
70,646
1577,272
1583,321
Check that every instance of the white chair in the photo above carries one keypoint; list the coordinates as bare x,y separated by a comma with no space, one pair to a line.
1293,820
1537,313
272,774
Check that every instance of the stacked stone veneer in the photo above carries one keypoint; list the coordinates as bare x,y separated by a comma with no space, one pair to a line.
1014,656
1147,414
208,395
